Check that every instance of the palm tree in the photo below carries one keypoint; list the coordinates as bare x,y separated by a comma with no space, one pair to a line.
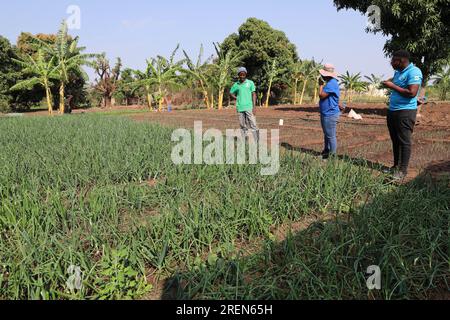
69,58
225,64
442,81
350,82
43,70
198,71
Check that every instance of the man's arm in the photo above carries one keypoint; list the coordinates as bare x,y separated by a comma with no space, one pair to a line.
410,92
322,93
254,100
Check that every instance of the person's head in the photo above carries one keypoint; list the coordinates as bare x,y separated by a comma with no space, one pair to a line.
242,74
328,72
400,60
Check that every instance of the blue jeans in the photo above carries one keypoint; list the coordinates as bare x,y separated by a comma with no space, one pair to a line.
329,126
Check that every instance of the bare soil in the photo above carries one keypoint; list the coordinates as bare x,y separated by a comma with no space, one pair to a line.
367,139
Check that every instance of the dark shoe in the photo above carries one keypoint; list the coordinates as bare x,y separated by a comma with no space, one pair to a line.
391,171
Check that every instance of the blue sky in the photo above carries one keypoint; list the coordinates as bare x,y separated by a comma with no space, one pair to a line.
138,29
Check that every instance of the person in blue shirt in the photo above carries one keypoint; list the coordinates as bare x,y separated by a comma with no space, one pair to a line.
402,114
329,94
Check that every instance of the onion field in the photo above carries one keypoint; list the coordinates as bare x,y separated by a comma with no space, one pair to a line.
100,194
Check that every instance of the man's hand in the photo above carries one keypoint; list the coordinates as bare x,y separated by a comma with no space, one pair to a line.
233,97
321,81
388,84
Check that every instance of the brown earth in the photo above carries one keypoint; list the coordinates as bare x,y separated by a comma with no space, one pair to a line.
367,139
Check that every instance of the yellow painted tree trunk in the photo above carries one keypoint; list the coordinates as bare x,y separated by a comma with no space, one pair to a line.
49,99
266,104
206,95
220,102
61,98
303,91
161,100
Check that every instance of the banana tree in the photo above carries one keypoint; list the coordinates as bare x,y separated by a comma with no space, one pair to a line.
272,71
163,74
69,57
198,71
315,76
225,64
43,70
297,75
307,71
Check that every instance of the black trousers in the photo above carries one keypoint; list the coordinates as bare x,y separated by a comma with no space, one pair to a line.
401,127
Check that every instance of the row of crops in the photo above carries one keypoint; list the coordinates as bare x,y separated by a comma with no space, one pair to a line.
100,195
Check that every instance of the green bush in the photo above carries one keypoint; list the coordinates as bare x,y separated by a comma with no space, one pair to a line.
5,106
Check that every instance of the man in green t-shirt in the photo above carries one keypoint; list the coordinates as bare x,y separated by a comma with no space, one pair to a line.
244,91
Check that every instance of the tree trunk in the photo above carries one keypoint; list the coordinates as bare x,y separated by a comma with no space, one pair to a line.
212,100
108,102
161,99
316,88
149,100
206,98
49,99
220,102
62,98
303,91
268,95
205,94
295,91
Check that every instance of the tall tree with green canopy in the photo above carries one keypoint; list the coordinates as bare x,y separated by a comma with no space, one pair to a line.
259,44
9,73
421,27
108,78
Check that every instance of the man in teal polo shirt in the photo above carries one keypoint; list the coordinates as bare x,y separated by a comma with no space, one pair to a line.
244,91
402,112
